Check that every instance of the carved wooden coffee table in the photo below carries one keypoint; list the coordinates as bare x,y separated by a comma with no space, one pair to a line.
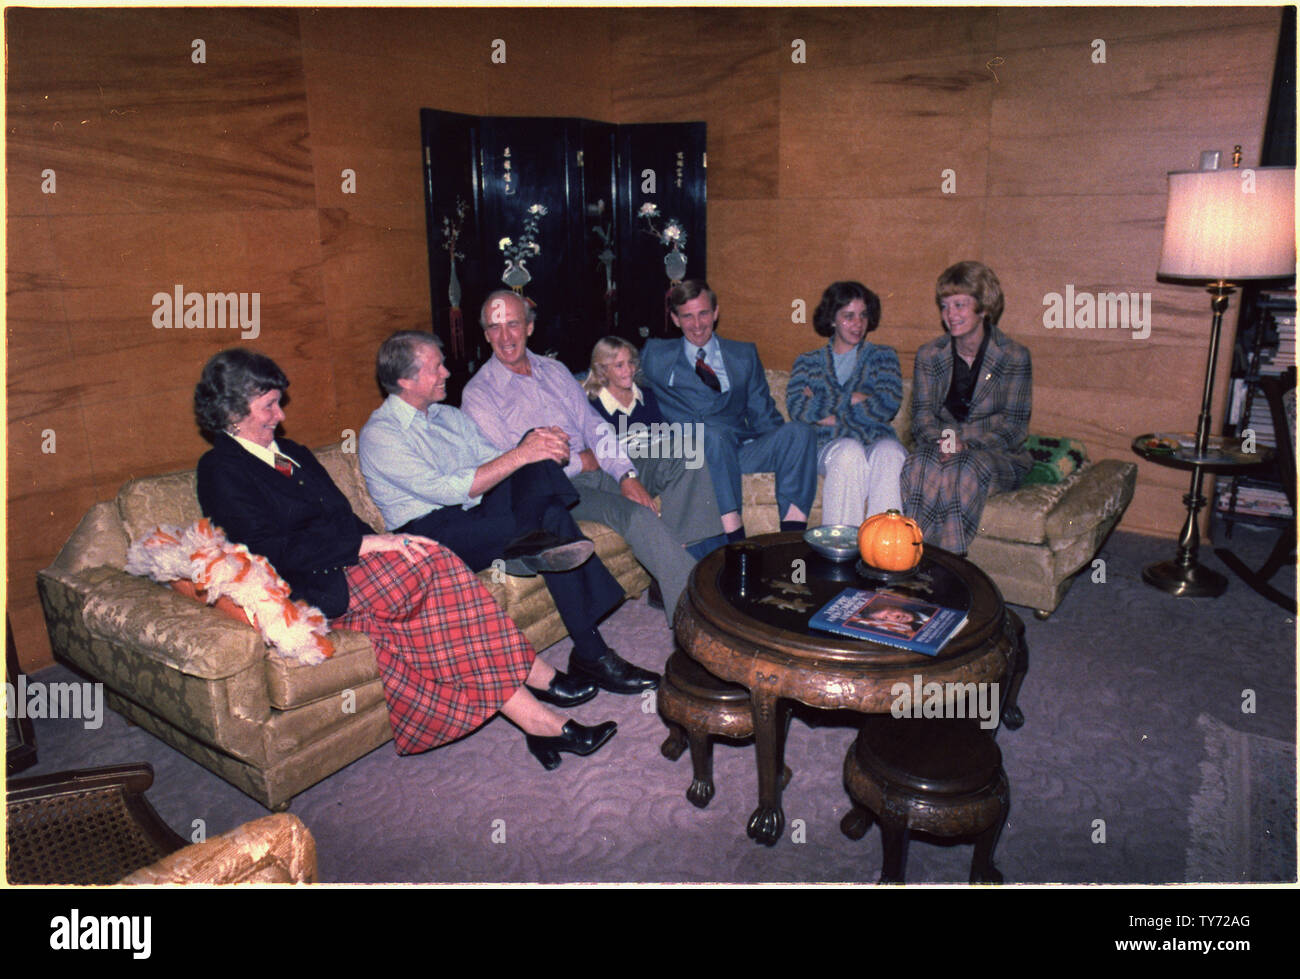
762,642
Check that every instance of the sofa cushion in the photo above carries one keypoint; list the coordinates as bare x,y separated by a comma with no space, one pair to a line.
290,684
152,501
172,499
164,626
758,503
345,469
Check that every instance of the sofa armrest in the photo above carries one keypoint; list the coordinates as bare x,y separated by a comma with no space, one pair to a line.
275,849
1090,497
100,538
167,627
1102,493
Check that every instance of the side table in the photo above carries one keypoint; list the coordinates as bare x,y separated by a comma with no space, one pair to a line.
1184,576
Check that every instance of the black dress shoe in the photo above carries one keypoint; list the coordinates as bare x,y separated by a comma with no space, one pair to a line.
574,737
565,691
541,551
615,674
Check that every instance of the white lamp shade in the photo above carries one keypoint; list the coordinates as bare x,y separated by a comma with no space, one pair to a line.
1230,225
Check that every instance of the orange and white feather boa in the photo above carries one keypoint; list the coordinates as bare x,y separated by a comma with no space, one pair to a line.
201,554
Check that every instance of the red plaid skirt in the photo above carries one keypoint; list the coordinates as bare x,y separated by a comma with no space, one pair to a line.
448,656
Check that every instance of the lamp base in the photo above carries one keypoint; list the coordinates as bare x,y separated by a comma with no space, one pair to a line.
1190,581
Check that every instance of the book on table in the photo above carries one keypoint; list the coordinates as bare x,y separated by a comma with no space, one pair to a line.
890,618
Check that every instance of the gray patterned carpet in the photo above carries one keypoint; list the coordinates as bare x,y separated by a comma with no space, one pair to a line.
1103,774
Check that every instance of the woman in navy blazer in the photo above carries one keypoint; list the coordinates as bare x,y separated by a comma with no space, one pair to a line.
448,657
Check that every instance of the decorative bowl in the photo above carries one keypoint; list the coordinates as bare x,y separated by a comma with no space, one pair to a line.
837,542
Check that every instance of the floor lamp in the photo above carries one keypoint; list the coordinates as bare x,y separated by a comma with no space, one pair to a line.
1222,228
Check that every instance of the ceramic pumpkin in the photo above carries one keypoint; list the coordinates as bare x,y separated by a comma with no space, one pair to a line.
890,541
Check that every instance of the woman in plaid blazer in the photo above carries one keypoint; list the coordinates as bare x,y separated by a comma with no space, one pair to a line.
971,398
449,658
849,391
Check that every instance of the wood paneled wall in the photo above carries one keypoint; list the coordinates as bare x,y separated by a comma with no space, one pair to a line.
227,176
833,168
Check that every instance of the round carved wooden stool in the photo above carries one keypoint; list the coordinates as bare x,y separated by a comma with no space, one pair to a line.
697,706
931,775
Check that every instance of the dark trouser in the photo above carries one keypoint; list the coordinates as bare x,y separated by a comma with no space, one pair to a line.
535,497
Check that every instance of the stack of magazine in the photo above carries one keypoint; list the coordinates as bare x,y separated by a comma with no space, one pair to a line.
890,618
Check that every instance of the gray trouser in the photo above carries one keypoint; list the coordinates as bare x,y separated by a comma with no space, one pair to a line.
650,538
690,508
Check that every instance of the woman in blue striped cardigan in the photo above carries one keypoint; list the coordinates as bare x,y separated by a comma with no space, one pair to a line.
850,390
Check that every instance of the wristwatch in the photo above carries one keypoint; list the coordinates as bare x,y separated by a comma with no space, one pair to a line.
630,473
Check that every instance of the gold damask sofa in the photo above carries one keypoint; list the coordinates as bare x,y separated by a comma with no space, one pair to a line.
1032,541
205,683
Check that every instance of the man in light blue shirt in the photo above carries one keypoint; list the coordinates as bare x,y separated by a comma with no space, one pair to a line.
431,472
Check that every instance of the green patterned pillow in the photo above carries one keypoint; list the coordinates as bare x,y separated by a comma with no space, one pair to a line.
1054,459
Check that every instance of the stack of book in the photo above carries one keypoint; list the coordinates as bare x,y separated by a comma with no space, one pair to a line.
1279,307
1253,500
1259,420
1248,410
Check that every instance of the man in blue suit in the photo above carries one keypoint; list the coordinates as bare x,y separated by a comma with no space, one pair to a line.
719,383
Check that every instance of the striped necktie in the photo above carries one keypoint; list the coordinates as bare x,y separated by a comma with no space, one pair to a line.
706,373
283,465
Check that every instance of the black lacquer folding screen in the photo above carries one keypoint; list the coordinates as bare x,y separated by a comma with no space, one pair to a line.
589,220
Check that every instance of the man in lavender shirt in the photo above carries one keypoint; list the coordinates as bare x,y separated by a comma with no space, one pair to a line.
517,391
